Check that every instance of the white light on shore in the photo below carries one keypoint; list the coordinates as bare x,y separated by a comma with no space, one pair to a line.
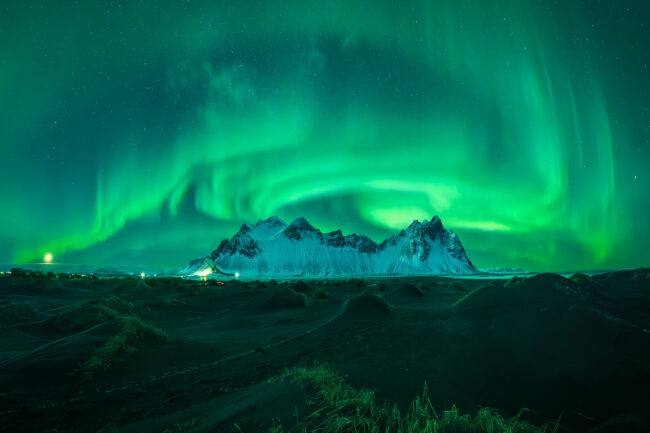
47,258
204,273
236,274
142,275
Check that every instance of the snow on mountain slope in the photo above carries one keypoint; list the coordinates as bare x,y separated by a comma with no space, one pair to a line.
273,248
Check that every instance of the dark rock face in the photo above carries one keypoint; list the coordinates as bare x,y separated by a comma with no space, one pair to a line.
335,239
417,245
241,243
298,228
417,233
363,243
389,242
455,247
433,228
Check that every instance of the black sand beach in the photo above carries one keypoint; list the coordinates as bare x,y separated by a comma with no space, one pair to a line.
80,354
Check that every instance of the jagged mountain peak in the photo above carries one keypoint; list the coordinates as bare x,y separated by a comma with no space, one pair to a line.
245,229
271,221
433,222
420,229
299,228
334,239
271,247
363,243
302,224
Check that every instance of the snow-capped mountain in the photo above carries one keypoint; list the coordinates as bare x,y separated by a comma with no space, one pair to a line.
273,248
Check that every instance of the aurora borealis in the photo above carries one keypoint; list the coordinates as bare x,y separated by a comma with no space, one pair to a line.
142,132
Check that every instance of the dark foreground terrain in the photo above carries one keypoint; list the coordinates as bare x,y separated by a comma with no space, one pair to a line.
155,355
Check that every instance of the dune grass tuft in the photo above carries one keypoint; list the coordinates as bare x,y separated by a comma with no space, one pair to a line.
84,316
342,408
132,331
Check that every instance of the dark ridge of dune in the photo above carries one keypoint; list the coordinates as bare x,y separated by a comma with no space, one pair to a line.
321,293
578,278
132,285
551,282
367,290
626,274
285,299
18,313
365,307
78,318
383,287
47,286
114,303
455,286
628,281
409,290
301,287
32,282
488,295
132,333
586,283
513,280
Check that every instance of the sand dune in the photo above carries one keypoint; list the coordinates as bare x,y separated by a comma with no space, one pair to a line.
151,354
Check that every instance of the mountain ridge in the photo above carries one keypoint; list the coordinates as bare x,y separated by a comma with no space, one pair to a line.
273,247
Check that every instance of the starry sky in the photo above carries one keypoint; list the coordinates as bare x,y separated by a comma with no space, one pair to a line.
142,132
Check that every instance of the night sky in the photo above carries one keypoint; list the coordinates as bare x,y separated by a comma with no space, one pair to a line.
145,132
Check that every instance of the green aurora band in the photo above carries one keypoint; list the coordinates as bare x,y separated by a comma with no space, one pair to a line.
148,134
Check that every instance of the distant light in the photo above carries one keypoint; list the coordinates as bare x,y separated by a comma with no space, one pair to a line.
47,258
236,274
204,273
142,275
